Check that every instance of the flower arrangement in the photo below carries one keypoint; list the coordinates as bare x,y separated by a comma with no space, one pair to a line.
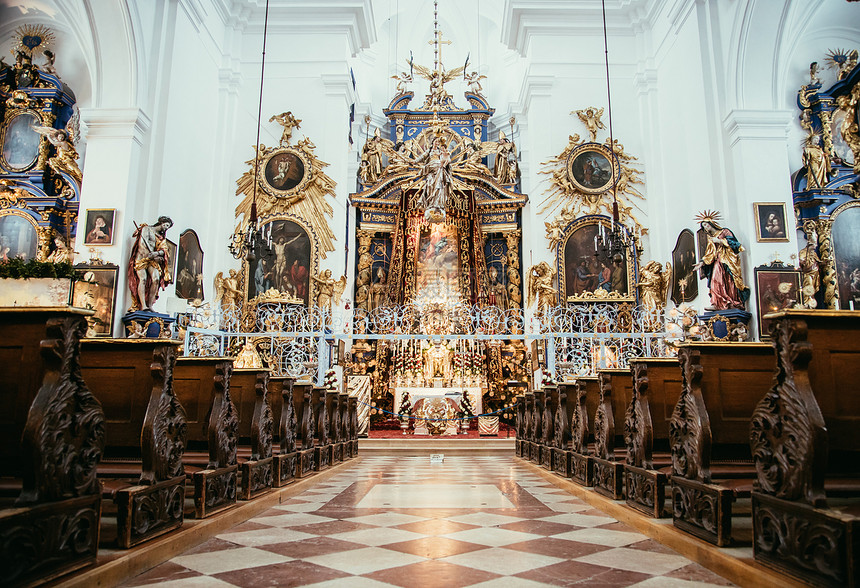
331,382
547,380
682,324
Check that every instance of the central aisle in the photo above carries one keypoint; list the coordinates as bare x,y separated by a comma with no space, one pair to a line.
402,521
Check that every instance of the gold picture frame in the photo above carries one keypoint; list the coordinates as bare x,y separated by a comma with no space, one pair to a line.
770,222
592,168
284,172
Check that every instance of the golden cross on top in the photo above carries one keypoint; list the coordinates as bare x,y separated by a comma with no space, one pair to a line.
437,38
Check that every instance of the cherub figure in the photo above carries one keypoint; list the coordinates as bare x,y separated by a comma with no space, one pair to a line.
590,117
474,81
553,234
289,122
540,286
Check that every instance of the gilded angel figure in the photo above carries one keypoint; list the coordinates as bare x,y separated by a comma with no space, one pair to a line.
65,161
654,283
540,286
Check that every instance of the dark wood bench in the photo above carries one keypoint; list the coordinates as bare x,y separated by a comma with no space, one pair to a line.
323,450
805,439
305,429
561,429
539,397
547,440
709,433
656,389
517,389
145,433
53,438
586,392
285,461
608,470
202,385
251,390
353,426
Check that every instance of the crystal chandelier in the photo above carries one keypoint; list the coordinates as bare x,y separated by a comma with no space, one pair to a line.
246,243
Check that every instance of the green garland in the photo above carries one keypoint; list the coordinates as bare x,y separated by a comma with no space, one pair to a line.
18,269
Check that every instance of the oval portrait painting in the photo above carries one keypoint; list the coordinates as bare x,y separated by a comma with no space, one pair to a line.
592,171
284,171
21,142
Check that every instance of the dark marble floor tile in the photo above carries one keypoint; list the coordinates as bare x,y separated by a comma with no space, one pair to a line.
311,547
291,573
163,573
434,547
557,547
432,574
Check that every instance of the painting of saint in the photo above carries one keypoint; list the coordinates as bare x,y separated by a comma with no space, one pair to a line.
95,289
770,218
18,238
284,266
21,142
589,268
685,286
189,269
99,227
592,170
437,265
776,289
846,250
284,171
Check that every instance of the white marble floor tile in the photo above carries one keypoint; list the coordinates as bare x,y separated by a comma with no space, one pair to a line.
388,519
665,582
299,507
485,519
264,537
350,582
502,561
606,537
635,560
378,536
227,560
508,582
435,496
195,582
365,561
491,536
291,519
579,520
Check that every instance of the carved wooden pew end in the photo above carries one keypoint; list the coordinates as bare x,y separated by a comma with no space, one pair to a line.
608,478
581,468
147,511
645,490
284,469
215,490
703,510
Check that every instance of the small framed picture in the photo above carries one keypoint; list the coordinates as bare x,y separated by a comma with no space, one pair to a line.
770,221
776,289
95,289
99,226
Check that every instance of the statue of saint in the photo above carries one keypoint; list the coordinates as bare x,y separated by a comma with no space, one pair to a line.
722,266
63,253
810,266
654,284
496,291
505,168
149,264
437,181
816,162
378,290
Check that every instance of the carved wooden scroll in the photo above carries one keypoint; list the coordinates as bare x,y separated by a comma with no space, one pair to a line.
262,423
788,435
164,432
287,427
64,436
689,427
604,421
322,416
353,418
308,418
223,428
528,425
548,417
638,432
537,417
579,426
561,429
54,527
333,407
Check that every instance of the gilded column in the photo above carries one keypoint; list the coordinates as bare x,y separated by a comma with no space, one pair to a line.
828,264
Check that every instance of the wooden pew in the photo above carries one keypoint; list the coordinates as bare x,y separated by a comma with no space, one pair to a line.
536,426
709,433
353,426
518,389
284,462
323,447
343,406
615,393
581,461
53,526
561,430
213,438
145,433
656,389
805,442
306,428
332,398
258,471
547,441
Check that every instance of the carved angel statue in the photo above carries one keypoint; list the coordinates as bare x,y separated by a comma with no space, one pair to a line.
402,78
590,117
473,154
540,286
505,167
437,78
474,81
654,282
328,289
227,291
63,253
65,161
289,122
553,234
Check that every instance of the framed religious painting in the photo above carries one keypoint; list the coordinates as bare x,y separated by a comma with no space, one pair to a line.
19,143
95,289
99,226
19,236
685,283
588,271
777,288
770,222
284,172
189,267
286,265
845,235
592,168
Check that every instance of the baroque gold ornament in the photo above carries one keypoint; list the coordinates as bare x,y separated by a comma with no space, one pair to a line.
289,178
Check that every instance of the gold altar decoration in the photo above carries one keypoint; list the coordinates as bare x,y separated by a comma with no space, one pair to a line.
290,182
582,177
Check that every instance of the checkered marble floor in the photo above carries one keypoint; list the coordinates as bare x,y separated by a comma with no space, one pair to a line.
400,521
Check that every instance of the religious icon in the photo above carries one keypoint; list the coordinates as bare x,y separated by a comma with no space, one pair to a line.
287,267
18,237
684,286
189,269
588,269
284,171
776,289
770,221
100,226
95,289
592,168
21,142
846,251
